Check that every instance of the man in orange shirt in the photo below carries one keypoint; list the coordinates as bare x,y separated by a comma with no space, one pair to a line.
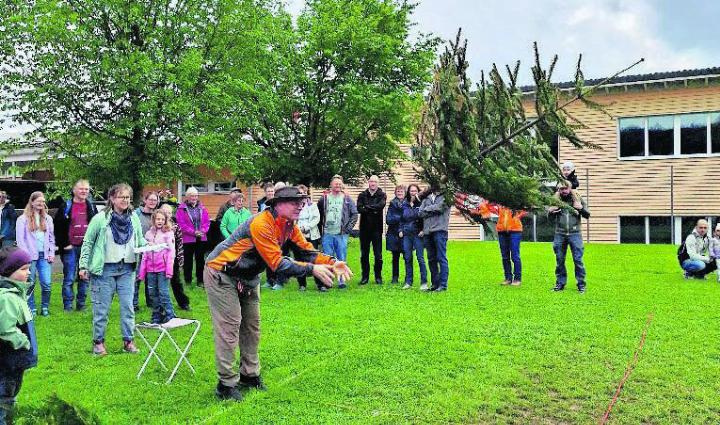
231,281
509,228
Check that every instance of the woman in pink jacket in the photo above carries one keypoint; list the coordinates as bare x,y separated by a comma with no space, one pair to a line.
35,234
157,266
194,221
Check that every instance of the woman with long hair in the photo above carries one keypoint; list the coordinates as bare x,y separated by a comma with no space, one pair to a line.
109,260
35,234
411,231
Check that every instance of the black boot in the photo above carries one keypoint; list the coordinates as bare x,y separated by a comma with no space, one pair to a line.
227,393
364,281
558,287
251,383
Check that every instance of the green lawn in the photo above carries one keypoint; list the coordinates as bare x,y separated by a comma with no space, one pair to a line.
479,353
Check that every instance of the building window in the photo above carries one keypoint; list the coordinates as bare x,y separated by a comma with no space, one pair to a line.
693,134
660,230
201,187
669,135
632,229
632,137
715,132
661,135
222,186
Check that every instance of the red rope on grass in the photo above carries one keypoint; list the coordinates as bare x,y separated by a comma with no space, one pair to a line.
628,370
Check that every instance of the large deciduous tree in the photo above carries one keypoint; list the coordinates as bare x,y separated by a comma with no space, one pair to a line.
137,91
347,93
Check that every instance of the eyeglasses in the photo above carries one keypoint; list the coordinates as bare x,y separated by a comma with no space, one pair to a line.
123,198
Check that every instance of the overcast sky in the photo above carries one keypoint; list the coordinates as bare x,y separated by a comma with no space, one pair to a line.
611,34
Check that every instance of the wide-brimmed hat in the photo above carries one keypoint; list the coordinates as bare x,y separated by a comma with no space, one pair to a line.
287,193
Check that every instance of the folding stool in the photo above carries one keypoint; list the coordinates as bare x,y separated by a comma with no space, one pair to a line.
164,332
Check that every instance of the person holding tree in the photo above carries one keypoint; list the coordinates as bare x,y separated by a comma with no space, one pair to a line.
435,212
509,229
568,221
232,276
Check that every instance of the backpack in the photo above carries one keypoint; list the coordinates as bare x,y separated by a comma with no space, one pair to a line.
682,254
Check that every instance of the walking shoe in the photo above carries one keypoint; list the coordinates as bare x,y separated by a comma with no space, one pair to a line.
558,287
130,348
227,393
301,289
342,285
99,349
433,288
277,287
515,283
581,289
699,277
424,287
394,282
440,289
505,282
686,274
185,307
81,308
251,383
378,281
44,311
322,288
33,311
364,281
408,286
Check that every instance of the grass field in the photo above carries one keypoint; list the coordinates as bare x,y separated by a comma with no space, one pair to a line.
479,353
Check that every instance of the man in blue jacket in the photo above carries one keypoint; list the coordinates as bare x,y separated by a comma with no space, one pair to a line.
8,217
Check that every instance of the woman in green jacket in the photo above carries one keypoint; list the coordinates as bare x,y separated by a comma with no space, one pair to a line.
108,258
234,217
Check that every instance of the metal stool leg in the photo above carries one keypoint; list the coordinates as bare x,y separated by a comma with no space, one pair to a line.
152,352
183,353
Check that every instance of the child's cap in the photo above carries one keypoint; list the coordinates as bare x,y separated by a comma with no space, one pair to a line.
12,259
569,165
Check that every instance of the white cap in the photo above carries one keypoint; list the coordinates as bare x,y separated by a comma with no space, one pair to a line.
568,164
191,191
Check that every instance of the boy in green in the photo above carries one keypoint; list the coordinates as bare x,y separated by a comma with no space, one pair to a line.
18,345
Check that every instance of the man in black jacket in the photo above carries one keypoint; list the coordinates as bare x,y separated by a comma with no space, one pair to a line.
370,204
71,222
8,217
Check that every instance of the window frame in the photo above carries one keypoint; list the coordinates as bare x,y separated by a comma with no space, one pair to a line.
676,134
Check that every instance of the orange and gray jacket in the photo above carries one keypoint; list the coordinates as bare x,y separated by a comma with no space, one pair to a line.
259,243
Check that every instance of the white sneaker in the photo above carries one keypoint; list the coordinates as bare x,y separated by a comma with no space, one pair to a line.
423,287
407,286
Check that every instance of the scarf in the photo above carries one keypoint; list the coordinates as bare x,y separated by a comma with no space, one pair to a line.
121,227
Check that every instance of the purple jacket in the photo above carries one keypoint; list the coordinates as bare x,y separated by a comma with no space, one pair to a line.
26,240
182,216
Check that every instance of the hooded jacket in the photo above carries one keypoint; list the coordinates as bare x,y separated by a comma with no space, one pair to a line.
7,222
158,261
26,240
182,217
18,343
698,247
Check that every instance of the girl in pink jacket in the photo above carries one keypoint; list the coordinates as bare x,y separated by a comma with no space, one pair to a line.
157,266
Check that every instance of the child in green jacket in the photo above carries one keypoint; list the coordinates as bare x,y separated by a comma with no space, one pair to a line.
18,345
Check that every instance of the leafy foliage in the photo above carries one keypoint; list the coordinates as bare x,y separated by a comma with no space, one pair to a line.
483,142
346,93
137,91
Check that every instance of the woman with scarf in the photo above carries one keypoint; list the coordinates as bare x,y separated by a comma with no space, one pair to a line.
194,222
108,260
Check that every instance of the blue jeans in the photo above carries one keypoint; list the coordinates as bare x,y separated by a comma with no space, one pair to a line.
43,269
336,246
159,287
70,259
120,278
410,243
10,383
510,250
697,268
560,245
436,245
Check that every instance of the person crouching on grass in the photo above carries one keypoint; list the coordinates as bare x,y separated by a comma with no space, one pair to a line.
156,268
231,279
18,345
